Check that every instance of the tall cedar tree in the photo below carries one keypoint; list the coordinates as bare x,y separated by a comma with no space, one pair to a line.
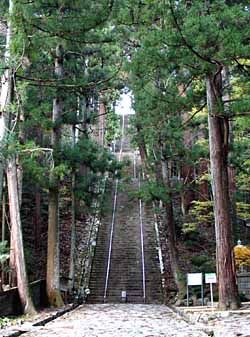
80,33
199,39
7,134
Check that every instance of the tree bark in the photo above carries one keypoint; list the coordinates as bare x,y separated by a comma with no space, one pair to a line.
203,185
218,145
53,265
14,208
101,121
73,221
53,259
5,96
3,239
13,275
141,146
187,170
231,169
188,194
171,234
12,180
5,101
37,220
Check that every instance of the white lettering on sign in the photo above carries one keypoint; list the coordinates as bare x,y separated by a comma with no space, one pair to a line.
210,278
194,279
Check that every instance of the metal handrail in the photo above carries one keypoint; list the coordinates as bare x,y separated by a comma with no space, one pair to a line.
113,218
86,263
142,245
158,240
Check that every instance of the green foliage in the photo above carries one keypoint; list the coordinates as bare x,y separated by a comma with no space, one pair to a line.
243,210
87,152
4,251
4,321
176,47
60,171
201,149
203,263
164,51
200,214
202,211
189,227
152,191
112,126
243,177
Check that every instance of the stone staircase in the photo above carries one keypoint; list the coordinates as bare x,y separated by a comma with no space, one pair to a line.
126,261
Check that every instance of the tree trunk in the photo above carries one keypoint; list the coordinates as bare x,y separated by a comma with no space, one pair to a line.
101,121
12,263
5,97
12,181
14,208
53,265
171,234
187,170
203,185
5,101
73,222
13,275
188,195
3,239
141,145
218,144
37,220
53,260
231,169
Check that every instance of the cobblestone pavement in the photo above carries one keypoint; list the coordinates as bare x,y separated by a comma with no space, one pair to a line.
118,320
231,325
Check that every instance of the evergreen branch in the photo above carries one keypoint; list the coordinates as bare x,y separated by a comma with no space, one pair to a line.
73,40
63,35
99,115
186,86
242,67
186,43
241,114
56,83
193,115
85,53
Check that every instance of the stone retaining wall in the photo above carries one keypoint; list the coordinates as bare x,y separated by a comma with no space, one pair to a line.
244,284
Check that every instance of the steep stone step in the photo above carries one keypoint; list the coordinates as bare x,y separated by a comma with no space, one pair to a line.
125,272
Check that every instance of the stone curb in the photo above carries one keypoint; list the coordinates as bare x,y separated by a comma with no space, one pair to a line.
186,318
18,332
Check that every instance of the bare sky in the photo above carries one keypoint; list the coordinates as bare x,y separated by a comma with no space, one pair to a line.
124,106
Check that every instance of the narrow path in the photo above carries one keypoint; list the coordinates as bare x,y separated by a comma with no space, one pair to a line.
123,320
